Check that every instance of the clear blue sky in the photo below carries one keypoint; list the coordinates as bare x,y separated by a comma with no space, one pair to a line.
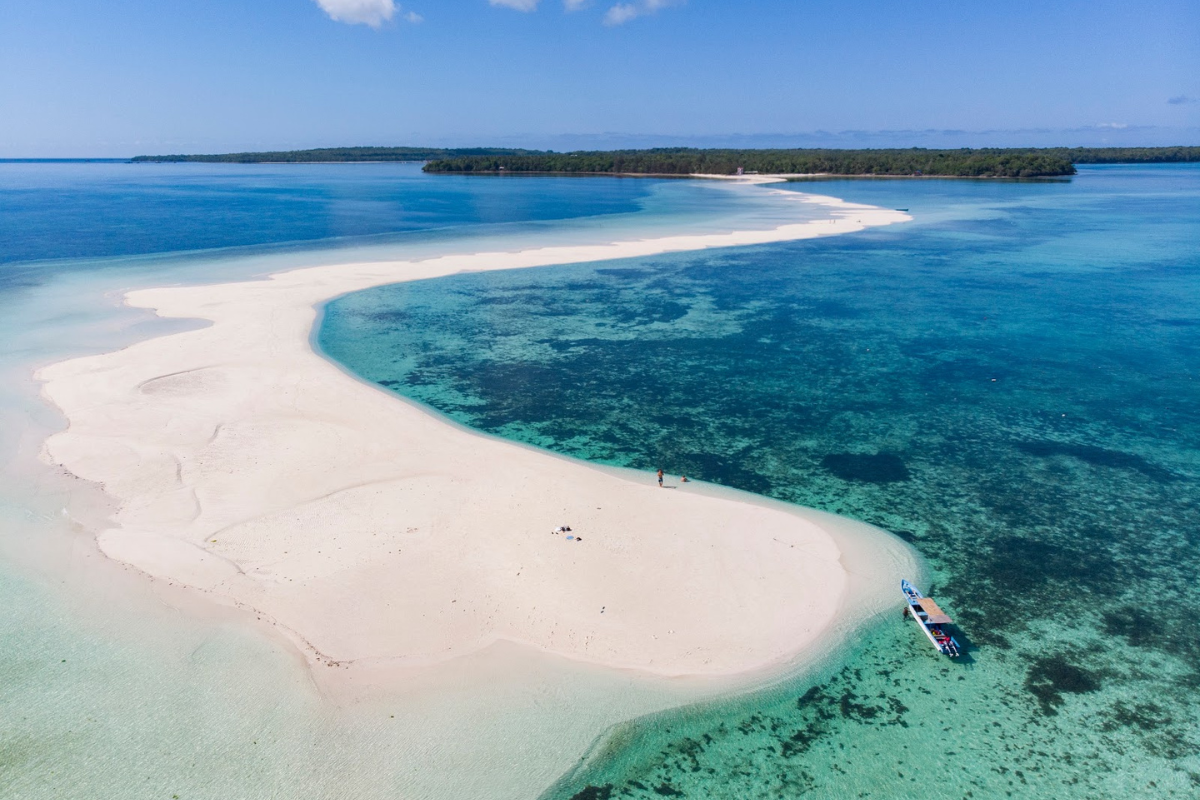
104,78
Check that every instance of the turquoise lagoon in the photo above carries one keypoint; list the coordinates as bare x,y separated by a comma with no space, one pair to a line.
1009,383
112,687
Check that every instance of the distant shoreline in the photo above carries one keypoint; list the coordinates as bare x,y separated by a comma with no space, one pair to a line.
1029,162
515,174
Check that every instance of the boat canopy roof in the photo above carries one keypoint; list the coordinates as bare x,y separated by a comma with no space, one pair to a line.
935,616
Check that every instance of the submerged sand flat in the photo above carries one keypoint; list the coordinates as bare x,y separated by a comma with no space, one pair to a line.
248,467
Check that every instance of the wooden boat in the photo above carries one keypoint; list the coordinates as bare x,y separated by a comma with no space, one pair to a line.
931,619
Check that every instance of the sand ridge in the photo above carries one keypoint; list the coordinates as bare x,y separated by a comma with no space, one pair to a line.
250,468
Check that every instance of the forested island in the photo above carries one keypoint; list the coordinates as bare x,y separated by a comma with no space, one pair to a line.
1129,155
1025,162
962,163
686,161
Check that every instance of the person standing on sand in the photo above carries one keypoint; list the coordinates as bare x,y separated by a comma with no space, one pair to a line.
660,477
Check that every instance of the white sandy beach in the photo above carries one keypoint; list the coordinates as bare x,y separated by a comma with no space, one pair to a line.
249,468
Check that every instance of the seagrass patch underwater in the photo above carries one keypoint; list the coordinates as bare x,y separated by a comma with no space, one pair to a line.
1011,383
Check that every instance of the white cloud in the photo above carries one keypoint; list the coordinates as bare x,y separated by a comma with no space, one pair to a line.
575,5
519,5
366,12
359,12
621,13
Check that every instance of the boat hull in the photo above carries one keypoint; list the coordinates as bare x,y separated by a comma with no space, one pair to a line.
930,619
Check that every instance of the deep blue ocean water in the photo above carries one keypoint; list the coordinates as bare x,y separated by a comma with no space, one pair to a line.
1011,383
71,210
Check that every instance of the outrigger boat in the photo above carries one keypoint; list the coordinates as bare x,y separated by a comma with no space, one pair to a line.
931,619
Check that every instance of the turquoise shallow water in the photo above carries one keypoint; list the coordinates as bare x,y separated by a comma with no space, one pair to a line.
1065,545
111,688
1010,383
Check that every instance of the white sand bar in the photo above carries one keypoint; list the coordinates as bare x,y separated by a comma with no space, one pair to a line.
248,467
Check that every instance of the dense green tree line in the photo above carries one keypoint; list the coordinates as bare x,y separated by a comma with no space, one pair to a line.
967,163
959,163
340,154
964,163
1128,155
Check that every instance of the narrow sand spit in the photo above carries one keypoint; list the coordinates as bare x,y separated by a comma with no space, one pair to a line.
248,467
